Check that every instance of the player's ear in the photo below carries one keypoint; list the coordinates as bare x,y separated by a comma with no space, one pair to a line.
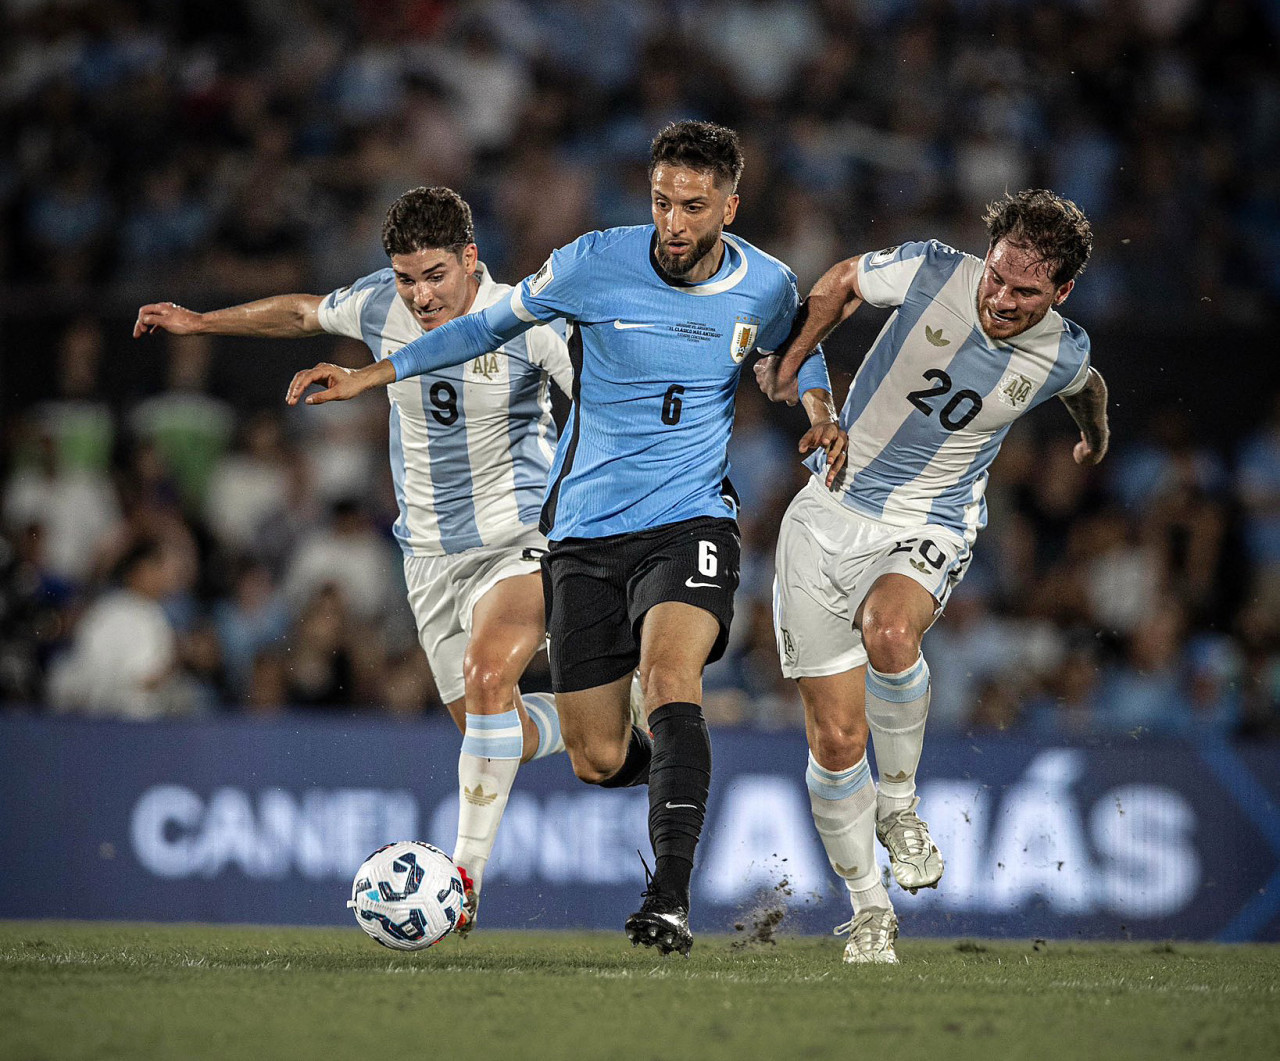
470,256
1061,295
731,208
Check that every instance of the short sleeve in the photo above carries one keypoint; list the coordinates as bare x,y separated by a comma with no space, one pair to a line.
774,331
885,277
559,288
340,311
1075,348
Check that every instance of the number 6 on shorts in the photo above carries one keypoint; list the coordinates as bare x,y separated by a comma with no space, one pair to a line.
707,561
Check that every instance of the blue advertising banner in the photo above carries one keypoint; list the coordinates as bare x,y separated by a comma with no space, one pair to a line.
242,820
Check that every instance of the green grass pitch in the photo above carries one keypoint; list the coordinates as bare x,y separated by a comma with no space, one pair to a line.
95,990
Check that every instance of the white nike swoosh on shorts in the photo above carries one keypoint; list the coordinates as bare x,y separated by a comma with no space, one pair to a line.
695,585
677,806
621,327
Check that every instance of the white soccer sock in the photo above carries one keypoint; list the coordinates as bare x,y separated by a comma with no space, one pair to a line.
897,706
542,710
491,749
844,810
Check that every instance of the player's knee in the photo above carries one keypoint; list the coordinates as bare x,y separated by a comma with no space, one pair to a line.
892,643
839,745
486,679
596,763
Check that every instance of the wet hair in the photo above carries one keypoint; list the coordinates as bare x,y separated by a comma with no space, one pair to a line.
426,218
1053,228
701,146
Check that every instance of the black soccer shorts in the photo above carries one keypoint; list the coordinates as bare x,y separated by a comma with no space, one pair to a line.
598,591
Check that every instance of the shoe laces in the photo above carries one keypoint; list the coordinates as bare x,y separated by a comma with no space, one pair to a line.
907,829
867,927
656,900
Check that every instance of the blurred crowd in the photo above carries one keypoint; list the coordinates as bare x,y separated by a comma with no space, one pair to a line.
203,549
238,146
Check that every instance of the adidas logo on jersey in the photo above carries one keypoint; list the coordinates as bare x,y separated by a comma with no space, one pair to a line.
934,335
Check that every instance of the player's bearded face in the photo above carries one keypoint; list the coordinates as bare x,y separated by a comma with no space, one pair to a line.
690,211
680,258
436,283
1016,291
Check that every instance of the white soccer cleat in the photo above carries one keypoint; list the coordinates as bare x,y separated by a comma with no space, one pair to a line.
639,716
913,856
871,936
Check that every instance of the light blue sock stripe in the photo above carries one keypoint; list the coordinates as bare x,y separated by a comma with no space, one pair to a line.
489,723
899,688
830,784
542,710
494,736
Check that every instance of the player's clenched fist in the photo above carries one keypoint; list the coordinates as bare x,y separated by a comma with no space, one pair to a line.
166,315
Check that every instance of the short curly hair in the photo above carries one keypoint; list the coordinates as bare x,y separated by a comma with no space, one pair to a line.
425,218
701,146
1051,226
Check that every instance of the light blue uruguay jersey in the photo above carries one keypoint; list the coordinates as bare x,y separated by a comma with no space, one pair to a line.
656,366
935,397
471,445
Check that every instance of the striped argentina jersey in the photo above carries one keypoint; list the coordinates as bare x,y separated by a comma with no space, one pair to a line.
935,397
656,365
471,446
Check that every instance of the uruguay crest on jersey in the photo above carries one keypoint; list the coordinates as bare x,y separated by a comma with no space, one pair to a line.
745,330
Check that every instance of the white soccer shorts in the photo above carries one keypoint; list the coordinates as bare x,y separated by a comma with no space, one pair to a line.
828,559
444,591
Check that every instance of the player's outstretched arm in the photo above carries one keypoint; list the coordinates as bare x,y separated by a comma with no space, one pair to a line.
1088,408
278,317
833,299
454,343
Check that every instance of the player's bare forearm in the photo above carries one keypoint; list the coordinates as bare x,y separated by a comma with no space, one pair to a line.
819,406
339,383
277,317
824,431
1088,408
833,299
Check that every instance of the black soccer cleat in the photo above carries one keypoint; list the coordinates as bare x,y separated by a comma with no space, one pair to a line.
663,922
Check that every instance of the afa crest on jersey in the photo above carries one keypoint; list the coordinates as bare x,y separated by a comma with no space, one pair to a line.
745,331
486,365
1014,390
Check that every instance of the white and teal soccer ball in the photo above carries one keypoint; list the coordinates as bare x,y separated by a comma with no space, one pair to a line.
408,895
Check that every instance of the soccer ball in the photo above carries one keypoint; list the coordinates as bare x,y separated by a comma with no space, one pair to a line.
408,895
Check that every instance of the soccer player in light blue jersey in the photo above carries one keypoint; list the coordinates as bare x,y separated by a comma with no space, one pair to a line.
639,510
471,448
862,572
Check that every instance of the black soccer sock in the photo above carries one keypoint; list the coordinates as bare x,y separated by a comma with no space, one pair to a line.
679,779
635,767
